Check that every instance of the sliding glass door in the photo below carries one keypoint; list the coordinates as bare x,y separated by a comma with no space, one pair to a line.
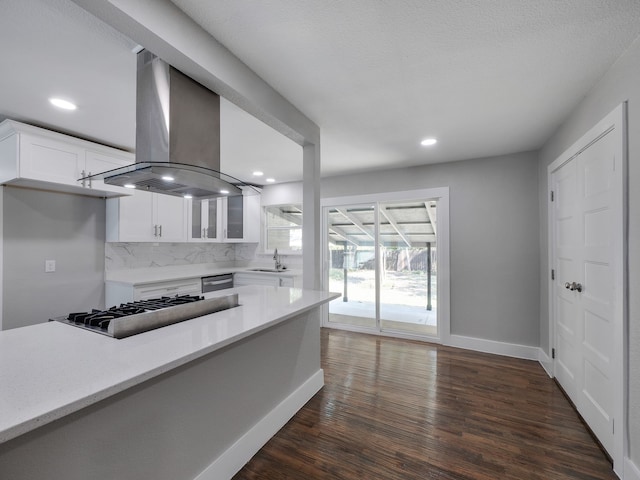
383,258
408,286
352,259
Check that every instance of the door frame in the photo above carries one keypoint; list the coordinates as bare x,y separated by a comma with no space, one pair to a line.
613,124
441,195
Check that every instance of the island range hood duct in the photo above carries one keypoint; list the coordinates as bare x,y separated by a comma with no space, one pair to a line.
177,137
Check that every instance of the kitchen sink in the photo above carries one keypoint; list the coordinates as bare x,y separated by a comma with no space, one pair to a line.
271,270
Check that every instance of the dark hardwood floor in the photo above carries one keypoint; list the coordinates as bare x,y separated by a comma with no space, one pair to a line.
397,409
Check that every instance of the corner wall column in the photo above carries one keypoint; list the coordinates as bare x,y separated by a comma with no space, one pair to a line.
311,216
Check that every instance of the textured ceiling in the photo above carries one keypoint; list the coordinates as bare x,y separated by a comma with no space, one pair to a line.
486,78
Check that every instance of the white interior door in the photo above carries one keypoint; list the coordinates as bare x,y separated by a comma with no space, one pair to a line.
587,294
566,271
595,305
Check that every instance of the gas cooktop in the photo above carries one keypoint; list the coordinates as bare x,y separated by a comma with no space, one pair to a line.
136,317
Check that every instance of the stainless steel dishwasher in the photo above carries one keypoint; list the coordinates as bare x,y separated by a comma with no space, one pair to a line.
217,282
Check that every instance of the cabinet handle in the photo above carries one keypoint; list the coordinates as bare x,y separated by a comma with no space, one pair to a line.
155,230
161,230
203,233
84,182
90,180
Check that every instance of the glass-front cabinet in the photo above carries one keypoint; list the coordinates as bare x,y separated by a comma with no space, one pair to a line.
235,217
205,220
226,219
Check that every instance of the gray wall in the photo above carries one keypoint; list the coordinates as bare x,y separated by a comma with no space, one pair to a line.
494,239
39,226
281,194
622,82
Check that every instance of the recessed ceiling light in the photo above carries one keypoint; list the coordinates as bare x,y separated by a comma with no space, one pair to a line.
258,173
64,104
129,185
270,180
168,178
224,191
187,196
428,141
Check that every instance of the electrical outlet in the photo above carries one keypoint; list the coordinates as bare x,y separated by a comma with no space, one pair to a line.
49,266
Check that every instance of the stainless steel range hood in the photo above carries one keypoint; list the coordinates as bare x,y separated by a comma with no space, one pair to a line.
177,136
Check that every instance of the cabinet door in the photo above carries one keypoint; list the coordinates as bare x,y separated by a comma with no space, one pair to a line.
170,218
204,220
212,219
97,162
243,278
135,218
190,286
235,217
196,220
241,221
50,160
252,206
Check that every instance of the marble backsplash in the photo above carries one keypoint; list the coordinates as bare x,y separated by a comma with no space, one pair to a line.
121,256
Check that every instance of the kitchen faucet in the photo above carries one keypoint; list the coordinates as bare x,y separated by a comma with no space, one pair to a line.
276,257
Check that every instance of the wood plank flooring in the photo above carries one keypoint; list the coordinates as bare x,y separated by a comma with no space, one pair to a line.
398,409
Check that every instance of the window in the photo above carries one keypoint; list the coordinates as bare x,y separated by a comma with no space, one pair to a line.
283,225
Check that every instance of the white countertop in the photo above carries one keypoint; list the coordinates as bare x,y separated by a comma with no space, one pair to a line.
50,370
140,276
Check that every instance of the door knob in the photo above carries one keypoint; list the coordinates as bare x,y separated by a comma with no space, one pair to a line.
567,285
576,286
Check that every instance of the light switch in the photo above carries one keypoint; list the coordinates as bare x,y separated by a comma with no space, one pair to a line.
49,266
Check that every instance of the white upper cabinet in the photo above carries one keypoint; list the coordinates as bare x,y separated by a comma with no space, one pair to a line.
49,160
241,219
147,217
35,157
227,219
205,220
170,217
98,162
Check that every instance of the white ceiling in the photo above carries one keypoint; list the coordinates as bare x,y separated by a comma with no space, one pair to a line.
486,78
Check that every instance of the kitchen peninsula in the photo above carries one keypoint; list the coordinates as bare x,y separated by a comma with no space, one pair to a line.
191,400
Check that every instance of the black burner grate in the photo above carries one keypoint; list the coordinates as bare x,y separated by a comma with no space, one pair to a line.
100,319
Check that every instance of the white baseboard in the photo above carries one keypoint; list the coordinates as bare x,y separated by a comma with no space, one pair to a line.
491,346
546,362
631,470
236,456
